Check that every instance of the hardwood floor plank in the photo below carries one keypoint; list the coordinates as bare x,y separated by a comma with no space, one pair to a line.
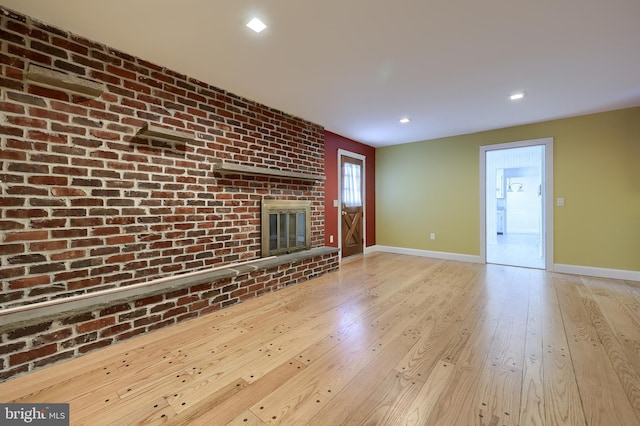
603,398
340,405
422,406
445,321
469,352
246,418
388,401
498,391
624,366
563,405
147,412
532,402
223,409
621,312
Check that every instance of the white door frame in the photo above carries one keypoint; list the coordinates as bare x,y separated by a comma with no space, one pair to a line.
547,201
345,153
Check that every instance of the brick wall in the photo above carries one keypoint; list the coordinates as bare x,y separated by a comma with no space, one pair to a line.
88,204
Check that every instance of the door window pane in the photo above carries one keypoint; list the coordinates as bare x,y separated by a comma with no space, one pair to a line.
351,188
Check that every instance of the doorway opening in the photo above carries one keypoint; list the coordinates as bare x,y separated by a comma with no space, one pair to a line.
352,203
516,194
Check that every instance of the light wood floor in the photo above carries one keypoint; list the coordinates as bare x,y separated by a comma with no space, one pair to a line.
389,339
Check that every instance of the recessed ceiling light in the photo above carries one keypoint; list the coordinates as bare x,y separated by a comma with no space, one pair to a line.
516,96
256,25
405,120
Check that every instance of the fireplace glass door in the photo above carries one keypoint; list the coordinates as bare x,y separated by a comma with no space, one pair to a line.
286,226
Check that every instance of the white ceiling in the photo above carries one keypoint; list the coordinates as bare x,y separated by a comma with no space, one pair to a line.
357,66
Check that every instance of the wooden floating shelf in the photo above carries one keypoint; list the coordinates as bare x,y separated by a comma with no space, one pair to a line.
151,130
64,81
225,167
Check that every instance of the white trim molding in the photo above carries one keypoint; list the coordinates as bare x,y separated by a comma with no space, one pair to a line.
547,179
617,274
425,253
590,271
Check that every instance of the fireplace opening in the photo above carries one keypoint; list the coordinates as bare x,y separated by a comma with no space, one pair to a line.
286,226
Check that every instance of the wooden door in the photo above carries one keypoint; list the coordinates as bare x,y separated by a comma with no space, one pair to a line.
352,206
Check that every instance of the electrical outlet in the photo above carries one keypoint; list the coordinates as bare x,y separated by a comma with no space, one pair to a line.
330,238
432,236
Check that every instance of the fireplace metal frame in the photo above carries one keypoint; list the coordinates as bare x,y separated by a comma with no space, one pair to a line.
278,207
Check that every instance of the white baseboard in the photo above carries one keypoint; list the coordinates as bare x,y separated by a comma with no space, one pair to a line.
424,253
618,274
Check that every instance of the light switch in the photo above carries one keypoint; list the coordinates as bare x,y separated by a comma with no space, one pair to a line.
335,203
560,202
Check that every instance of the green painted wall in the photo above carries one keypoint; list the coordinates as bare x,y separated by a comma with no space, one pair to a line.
433,186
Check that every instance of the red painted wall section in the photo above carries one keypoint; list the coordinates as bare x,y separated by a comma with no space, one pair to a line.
333,143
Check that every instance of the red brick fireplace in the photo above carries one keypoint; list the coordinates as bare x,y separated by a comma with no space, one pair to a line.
116,173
